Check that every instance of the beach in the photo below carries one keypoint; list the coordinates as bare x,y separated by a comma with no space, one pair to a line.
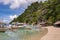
47,33
53,33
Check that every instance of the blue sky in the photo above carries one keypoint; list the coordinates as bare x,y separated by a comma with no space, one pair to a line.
6,12
10,9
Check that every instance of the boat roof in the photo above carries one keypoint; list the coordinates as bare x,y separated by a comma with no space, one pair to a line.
17,23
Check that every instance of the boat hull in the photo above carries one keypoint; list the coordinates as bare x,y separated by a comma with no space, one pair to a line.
3,29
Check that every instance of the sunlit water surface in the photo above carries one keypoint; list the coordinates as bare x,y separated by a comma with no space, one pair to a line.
17,34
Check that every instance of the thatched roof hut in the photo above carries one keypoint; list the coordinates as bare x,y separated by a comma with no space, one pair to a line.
42,23
57,24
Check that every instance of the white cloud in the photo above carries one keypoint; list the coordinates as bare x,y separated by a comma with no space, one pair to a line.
5,2
12,17
18,3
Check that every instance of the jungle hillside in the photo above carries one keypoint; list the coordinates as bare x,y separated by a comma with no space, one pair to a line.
47,11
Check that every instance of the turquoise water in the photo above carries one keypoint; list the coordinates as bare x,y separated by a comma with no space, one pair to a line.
16,34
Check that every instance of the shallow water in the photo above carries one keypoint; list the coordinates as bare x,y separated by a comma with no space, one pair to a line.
17,34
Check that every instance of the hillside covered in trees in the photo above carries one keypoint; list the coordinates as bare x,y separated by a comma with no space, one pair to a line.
48,11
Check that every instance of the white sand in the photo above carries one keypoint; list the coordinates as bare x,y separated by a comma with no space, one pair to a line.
53,34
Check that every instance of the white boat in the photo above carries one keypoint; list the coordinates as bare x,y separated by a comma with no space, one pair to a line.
17,25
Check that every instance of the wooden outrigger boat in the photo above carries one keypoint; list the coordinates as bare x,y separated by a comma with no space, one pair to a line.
17,27
3,29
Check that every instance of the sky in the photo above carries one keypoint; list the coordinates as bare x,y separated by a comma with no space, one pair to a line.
10,9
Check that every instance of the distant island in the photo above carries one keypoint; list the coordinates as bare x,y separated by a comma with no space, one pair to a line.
48,11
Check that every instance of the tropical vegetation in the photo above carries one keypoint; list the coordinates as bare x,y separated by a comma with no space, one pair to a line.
48,11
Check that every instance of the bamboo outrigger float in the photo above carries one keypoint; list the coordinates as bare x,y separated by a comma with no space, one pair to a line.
3,29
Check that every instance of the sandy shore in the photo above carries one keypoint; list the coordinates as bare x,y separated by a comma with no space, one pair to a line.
47,33
53,34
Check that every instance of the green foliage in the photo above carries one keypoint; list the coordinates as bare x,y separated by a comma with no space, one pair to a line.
48,11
